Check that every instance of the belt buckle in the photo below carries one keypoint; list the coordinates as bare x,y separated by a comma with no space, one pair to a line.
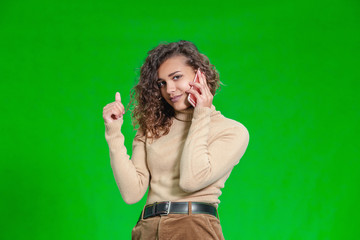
168,208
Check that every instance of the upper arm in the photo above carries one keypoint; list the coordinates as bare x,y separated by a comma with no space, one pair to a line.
210,159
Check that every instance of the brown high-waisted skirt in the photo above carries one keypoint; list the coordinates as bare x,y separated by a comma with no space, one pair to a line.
178,226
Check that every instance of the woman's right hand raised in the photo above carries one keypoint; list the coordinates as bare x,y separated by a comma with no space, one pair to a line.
113,110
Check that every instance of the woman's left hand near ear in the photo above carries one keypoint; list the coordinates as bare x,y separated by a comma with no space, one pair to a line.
204,98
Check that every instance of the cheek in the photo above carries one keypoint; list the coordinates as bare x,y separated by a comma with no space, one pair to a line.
184,85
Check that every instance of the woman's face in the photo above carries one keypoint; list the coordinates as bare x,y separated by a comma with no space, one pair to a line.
174,77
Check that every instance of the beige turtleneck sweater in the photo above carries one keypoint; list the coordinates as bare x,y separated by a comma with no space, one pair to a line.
190,163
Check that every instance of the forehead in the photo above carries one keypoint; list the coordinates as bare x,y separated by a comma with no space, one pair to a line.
176,63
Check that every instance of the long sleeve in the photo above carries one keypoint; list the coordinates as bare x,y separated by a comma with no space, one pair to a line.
131,176
205,159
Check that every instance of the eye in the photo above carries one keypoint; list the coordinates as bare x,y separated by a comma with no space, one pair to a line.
176,77
161,84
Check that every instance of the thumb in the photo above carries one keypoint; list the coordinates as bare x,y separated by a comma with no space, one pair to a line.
117,97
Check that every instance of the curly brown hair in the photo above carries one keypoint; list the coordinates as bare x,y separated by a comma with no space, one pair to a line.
150,111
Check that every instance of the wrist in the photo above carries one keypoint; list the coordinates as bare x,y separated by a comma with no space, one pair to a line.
114,126
200,111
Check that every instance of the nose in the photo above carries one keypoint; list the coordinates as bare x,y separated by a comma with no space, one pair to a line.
170,87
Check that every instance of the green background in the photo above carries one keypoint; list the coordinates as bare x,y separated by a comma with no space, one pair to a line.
291,70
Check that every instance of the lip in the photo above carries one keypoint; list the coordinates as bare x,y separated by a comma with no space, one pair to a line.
176,98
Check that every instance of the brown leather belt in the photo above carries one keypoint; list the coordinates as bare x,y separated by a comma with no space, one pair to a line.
168,207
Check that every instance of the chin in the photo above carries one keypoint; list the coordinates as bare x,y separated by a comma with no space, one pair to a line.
180,106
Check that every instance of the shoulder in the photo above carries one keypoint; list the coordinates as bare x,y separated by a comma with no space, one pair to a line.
221,125
140,136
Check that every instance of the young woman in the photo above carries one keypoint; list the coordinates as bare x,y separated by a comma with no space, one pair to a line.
184,154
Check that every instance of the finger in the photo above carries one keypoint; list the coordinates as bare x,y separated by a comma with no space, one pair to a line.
117,108
111,105
107,108
118,112
201,78
195,93
117,97
206,87
120,107
114,105
114,112
197,86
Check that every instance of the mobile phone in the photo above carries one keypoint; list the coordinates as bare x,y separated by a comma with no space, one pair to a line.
191,97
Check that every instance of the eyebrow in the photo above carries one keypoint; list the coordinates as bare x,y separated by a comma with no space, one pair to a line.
169,75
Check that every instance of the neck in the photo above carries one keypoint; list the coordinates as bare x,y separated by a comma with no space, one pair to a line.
184,115
187,114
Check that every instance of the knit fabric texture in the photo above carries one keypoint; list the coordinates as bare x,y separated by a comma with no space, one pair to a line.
190,163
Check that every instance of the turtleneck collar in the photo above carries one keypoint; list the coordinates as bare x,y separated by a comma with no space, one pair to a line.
187,114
